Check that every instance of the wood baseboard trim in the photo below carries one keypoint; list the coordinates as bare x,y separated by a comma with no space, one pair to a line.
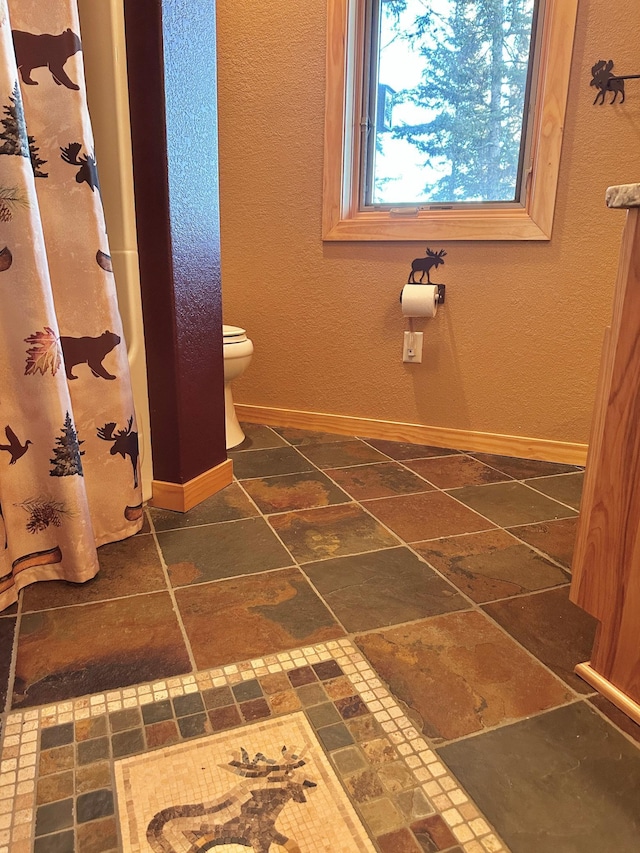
458,439
181,497
609,691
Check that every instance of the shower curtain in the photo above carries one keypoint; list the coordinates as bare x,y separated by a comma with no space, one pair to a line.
68,438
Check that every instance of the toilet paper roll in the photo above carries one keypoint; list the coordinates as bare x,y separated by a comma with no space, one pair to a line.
419,300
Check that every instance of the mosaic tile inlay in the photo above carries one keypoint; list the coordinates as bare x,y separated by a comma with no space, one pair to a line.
246,788
369,781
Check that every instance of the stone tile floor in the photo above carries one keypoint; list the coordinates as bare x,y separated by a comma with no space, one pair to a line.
442,576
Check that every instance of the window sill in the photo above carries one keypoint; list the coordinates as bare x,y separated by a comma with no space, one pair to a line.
438,225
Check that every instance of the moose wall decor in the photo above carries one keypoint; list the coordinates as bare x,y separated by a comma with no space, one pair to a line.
603,79
431,261
425,265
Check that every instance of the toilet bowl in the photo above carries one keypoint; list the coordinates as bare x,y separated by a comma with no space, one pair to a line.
237,350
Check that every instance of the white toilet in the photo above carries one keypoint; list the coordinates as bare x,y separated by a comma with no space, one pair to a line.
237,349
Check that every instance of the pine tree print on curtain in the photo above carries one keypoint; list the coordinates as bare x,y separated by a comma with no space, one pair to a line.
66,455
64,489
14,134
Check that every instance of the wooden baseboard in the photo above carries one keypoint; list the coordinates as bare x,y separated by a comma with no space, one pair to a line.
458,439
609,691
181,497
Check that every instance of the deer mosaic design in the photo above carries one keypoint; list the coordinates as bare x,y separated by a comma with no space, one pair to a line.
125,442
424,265
246,815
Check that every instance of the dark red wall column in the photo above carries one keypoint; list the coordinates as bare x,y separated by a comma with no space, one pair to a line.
171,59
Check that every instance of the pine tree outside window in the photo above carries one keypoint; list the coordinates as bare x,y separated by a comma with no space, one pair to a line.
444,118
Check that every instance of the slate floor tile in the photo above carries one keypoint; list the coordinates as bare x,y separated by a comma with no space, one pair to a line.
224,718
335,736
92,751
259,437
341,454
555,538
552,628
426,516
255,709
490,565
54,816
129,567
433,834
199,554
563,781
380,480
333,531
94,805
311,694
457,669
91,777
7,631
401,841
57,759
449,472
509,504
247,690
90,728
146,527
302,675
382,588
156,712
246,618
99,836
300,437
56,736
58,786
161,734
227,505
460,673
621,720
566,488
268,463
59,842
382,816
217,697
327,669
364,786
196,725
128,718
406,450
348,760
190,703
522,469
75,651
127,743
294,491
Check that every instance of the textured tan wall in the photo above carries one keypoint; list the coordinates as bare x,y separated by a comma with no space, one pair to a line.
516,348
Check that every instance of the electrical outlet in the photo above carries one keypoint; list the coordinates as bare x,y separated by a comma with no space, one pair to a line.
412,347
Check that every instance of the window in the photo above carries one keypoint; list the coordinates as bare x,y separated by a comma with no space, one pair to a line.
444,118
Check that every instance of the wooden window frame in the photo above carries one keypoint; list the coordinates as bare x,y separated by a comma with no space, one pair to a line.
342,220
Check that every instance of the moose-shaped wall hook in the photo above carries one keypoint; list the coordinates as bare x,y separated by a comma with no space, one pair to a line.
603,79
